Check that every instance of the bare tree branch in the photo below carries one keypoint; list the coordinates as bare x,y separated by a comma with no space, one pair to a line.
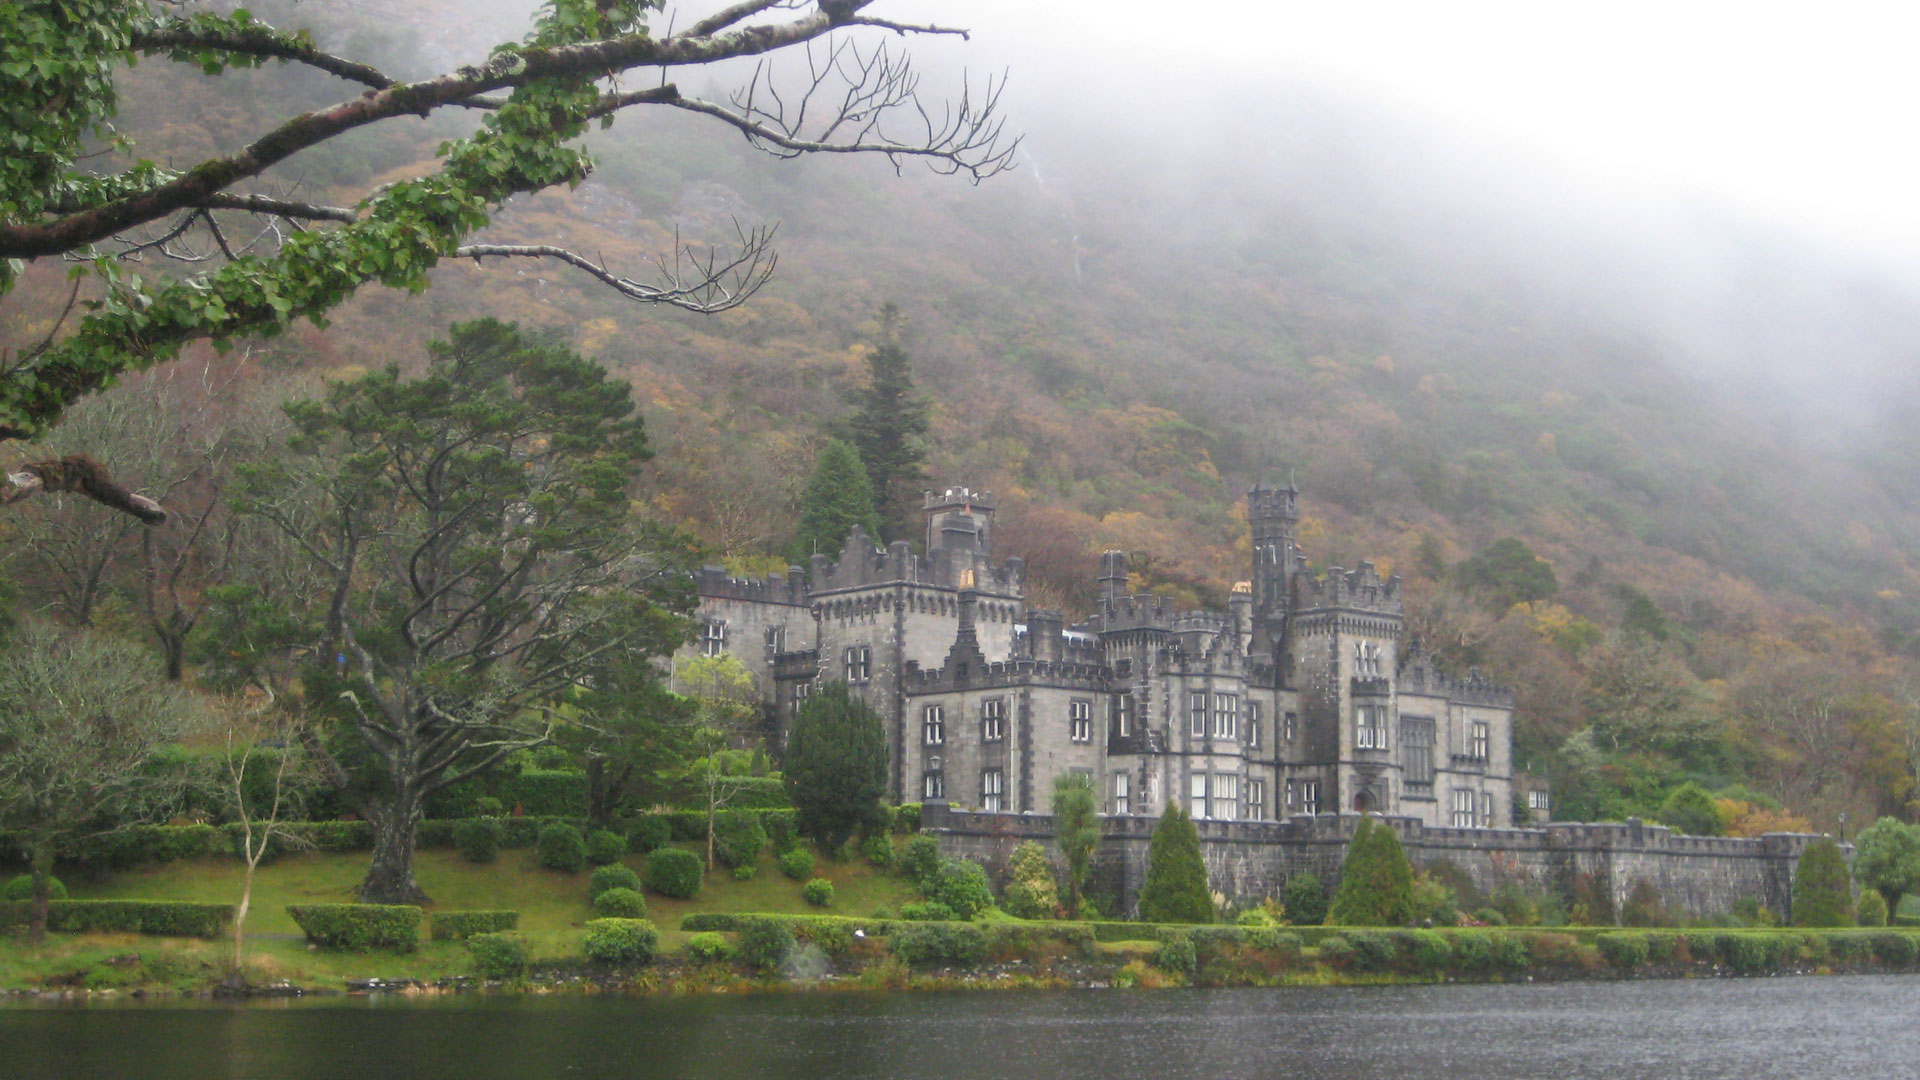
704,282
81,475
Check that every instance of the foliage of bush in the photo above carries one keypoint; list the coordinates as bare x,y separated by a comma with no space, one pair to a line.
1423,950
818,892
561,847
605,847
962,886
21,888
738,838
926,911
745,873
1822,888
906,818
765,943
649,833
1625,951
498,955
1274,940
1644,906
1032,892
1305,900
1433,901
920,861
1509,952
926,943
1176,953
782,833
1176,886
674,872
547,792
877,849
1473,950
1554,950
1690,809
478,839
460,925
1851,948
620,903
1376,881
625,942
616,876
1371,951
1894,948
836,766
359,926
1886,858
1253,918
709,948
1745,953
488,806
1490,916
1872,909
1336,952
159,918
797,863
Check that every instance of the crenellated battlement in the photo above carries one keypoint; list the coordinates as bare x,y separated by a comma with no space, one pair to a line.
1361,589
1419,677
1008,673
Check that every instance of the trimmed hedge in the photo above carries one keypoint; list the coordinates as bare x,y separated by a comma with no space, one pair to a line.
547,792
562,848
605,847
674,872
621,903
621,941
738,838
359,926
1625,951
461,925
478,839
925,944
616,876
765,943
709,948
649,833
499,956
797,864
159,918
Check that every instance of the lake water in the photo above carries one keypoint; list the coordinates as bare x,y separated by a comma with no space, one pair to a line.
1698,1029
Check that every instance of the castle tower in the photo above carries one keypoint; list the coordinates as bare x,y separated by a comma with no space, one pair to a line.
1273,513
959,519
1113,575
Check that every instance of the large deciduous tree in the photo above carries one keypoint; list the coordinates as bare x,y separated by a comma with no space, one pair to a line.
474,533
74,187
81,717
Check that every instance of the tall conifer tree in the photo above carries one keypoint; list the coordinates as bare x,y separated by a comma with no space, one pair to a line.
1176,886
889,429
838,498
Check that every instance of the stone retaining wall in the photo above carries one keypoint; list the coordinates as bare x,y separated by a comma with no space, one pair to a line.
1247,861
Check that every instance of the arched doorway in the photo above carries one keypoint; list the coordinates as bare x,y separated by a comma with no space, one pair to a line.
1363,802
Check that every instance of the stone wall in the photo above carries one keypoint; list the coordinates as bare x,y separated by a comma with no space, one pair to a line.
1247,861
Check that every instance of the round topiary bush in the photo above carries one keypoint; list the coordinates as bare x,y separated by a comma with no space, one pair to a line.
611,877
738,838
498,956
920,861
21,888
605,847
797,864
709,948
819,892
765,943
561,847
620,903
744,873
674,872
962,886
621,941
1872,909
649,833
478,839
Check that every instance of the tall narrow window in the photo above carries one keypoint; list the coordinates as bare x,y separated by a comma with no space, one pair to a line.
1080,720
1416,754
1370,728
1226,716
859,663
991,783
1292,797
713,638
1480,742
993,719
1226,797
1122,793
1463,808
1486,809
775,637
1289,727
1256,799
1197,714
933,786
933,725
1123,713
1253,732
1309,796
1197,795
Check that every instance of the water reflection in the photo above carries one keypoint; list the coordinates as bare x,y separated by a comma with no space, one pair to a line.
1700,1029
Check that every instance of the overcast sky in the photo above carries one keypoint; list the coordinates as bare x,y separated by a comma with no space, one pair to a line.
1803,113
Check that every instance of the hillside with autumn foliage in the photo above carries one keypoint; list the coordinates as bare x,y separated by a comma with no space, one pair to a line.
1706,443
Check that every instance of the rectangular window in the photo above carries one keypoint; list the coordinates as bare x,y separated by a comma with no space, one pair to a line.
1463,808
1416,753
1292,797
1486,809
1080,720
1289,727
1309,796
991,784
1480,741
713,638
1537,800
1256,799
1369,727
1122,793
993,719
1226,716
1226,797
933,725
1197,795
774,638
1197,715
1123,713
933,786
859,663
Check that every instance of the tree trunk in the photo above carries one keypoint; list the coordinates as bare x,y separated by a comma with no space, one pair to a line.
600,794
390,878
42,860
237,978
174,647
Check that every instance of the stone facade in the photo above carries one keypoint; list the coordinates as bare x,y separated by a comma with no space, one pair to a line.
1303,698
1250,861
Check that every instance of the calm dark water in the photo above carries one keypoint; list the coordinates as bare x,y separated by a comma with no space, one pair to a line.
1702,1030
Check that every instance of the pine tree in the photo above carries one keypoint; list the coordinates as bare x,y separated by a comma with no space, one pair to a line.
1176,888
1822,893
1376,881
889,429
838,498
836,767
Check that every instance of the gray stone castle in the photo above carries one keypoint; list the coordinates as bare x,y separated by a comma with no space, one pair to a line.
1302,699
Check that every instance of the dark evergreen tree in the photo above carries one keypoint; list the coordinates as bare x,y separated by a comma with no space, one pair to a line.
1376,881
889,429
1507,572
836,766
1822,889
1305,900
838,498
1690,810
1176,888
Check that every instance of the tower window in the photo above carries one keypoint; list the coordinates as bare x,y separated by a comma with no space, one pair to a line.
991,784
933,725
1122,793
713,638
1080,720
1226,716
1197,794
933,786
1310,796
1197,715
993,716
1123,713
859,663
